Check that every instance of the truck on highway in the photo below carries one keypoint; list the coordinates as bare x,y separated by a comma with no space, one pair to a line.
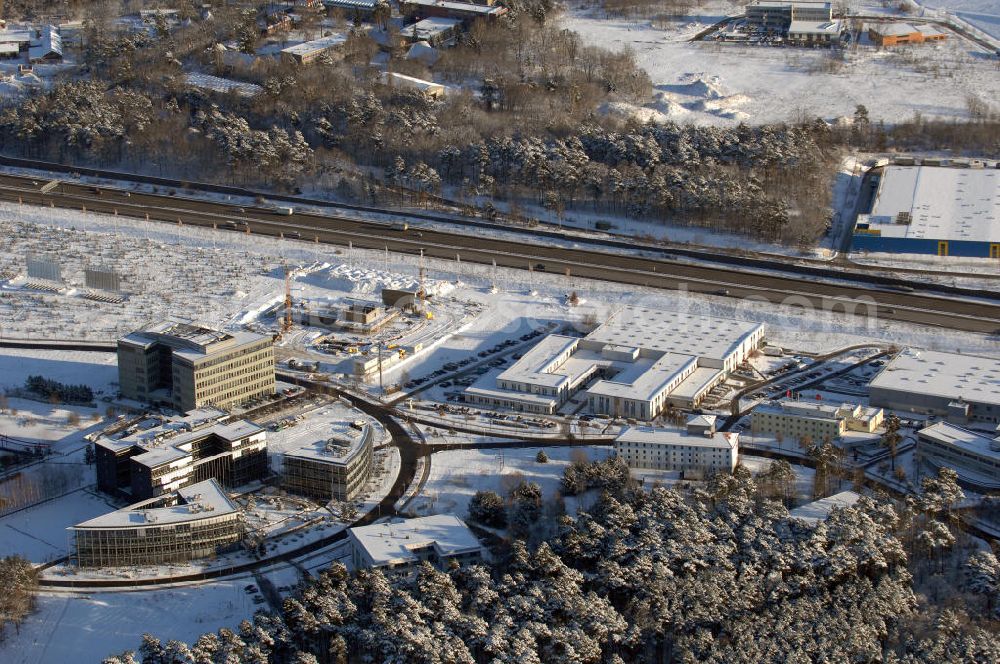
401,226
283,210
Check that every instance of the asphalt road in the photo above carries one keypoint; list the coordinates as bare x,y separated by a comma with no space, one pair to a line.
808,293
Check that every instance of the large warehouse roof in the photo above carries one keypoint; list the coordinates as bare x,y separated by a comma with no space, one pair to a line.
674,332
937,203
947,375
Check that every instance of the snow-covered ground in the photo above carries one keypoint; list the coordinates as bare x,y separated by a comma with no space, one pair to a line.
981,14
87,627
222,278
728,83
456,475
39,533
98,370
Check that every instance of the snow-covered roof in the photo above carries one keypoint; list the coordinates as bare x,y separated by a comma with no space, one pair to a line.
945,375
170,441
809,409
15,36
967,441
396,541
48,44
459,7
218,84
424,52
336,450
204,500
814,28
702,421
696,383
643,380
429,27
541,365
820,510
674,332
413,82
317,45
352,4
784,4
938,203
724,440
192,342
898,29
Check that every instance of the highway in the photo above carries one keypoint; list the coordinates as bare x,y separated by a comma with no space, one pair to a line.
841,293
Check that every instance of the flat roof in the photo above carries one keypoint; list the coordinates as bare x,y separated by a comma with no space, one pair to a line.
808,409
434,23
694,384
203,500
395,540
814,27
674,332
465,7
192,342
963,439
333,450
321,44
941,203
660,436
643,380
536,366
820,510
165,441
973,378
788,4
900,29
485,386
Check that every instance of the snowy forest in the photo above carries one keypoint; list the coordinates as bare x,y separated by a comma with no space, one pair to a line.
523,127
719,573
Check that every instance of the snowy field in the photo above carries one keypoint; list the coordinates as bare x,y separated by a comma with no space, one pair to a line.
39,533
981,14
98,370
78,627
455,476
726,83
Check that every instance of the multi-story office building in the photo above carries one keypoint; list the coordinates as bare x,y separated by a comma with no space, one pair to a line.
192,522
780,14
187,366
697,451
399,546
795,420
634,365
330,469
157,457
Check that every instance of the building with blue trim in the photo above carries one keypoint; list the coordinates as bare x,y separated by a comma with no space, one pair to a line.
942,211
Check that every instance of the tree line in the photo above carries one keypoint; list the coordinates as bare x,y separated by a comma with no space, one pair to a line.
718,573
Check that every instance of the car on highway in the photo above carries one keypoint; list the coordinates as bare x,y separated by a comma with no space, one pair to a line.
294,235
540,267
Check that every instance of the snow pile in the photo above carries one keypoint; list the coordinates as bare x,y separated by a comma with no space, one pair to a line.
698,93
366,281
625,111
698,85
